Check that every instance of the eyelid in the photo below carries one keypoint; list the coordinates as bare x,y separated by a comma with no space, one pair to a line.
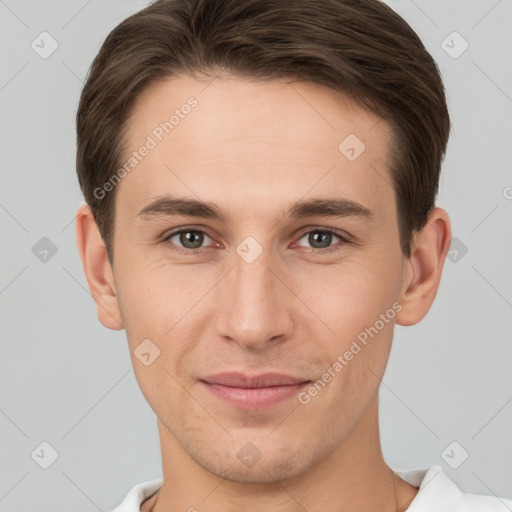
309,229
191,227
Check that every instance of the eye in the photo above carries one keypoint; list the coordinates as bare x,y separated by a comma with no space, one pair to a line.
191,240
323,239
188,239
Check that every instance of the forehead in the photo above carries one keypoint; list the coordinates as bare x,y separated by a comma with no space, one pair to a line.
234,137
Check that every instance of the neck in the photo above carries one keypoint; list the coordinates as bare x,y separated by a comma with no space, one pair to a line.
353,478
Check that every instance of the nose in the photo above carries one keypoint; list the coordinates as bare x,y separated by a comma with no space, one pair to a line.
255,307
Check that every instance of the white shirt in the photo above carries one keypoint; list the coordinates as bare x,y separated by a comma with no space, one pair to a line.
437,494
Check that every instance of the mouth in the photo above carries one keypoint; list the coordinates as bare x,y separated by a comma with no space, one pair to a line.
253,392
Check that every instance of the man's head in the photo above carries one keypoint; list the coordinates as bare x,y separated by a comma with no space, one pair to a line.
325,116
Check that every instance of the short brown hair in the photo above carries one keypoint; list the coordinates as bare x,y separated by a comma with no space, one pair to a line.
359,47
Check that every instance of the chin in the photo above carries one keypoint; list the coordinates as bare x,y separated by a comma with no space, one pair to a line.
251,466
261,473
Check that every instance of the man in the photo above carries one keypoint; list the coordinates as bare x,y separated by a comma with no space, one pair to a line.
260,179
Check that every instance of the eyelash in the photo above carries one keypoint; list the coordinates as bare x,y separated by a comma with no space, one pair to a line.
327,250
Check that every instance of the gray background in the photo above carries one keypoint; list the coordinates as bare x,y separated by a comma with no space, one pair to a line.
68,381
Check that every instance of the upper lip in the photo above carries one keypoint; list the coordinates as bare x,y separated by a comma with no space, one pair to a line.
241,380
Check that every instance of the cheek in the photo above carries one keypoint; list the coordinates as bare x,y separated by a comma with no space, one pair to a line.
360,306
158,342
160,307
153,298
351,296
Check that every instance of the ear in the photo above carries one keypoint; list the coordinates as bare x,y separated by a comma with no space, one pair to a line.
97,268
424,267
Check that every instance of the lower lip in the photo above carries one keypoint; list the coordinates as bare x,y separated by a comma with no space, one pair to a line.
255,398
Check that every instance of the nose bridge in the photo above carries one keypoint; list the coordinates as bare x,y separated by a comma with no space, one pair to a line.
253,306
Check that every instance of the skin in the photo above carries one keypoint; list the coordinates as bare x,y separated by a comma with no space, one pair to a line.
254,149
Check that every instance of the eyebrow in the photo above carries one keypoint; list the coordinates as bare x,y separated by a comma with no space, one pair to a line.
168,206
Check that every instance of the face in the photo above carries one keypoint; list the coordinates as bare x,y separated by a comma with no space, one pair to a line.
294,267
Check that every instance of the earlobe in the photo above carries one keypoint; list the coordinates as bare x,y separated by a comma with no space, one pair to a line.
424,268
97,268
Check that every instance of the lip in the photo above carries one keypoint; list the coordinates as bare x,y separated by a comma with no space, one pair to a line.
253,392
